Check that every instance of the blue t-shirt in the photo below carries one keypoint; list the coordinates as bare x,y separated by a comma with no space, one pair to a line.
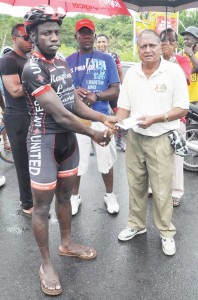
95,72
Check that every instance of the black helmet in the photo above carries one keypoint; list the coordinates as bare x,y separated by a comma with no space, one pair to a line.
42,13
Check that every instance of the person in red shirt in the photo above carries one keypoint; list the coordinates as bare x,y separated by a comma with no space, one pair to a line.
169,39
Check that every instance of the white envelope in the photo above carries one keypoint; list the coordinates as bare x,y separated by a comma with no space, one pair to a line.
130,122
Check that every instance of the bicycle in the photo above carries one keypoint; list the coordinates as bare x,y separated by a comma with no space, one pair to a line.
5,154
191,160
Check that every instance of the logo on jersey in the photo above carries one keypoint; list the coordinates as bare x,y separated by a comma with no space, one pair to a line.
35,155
40,78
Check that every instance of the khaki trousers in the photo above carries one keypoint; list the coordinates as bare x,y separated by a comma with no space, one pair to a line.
150,158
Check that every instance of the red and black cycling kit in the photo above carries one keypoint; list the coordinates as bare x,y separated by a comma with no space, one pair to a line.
52,149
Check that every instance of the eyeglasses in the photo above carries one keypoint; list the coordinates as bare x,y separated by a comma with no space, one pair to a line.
164,40
25,37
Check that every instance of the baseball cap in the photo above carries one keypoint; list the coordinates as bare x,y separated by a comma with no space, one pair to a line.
191,30
85,23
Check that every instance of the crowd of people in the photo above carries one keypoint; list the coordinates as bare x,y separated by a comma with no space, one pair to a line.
55,108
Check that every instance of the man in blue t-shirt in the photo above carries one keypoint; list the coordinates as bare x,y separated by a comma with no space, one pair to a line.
96,82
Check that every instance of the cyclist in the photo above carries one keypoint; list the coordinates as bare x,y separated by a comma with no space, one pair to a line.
52,146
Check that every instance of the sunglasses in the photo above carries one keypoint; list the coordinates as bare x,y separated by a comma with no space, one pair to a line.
25,37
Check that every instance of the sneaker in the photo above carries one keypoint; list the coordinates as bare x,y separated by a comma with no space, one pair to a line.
121,145
75,203
176,202
111,203
129,233
168,245
2,180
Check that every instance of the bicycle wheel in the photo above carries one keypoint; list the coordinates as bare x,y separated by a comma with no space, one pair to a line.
191,160
5,154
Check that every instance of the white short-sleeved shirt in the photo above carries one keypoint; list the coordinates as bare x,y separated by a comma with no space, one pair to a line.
164,90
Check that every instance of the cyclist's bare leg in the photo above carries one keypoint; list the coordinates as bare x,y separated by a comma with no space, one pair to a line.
40,222
63,211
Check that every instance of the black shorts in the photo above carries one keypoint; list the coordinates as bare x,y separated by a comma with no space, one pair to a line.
51,156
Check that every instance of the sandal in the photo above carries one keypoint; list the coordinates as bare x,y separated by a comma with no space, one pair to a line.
27,212
81,252
176,202
45,279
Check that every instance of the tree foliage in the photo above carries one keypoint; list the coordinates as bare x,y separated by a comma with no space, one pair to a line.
118,28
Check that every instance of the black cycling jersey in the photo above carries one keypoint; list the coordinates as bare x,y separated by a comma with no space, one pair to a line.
40,75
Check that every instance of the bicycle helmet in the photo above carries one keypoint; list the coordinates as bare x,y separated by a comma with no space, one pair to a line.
42,13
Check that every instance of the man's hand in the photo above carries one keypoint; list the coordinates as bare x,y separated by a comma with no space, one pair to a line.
110,121
167,51
82,93
90,99
188,50
146,121
86,96
102,137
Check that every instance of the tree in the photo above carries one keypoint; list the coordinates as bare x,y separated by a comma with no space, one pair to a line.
119,29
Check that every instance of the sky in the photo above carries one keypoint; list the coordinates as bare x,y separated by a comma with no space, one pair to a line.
17,11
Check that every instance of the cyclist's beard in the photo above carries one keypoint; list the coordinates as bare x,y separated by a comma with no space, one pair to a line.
48,56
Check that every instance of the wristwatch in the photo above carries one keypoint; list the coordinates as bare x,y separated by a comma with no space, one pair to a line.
98,96
166,117
191,54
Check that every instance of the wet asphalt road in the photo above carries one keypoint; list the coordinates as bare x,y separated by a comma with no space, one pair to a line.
133,270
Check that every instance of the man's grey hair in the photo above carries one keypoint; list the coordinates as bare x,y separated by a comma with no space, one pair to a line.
149,31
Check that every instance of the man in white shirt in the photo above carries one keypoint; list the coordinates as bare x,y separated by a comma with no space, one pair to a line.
156,90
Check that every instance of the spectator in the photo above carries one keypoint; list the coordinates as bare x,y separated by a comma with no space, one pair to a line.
6,143
190,50
52,146
16,117
102,42
2,178
156,90
169,39
96,82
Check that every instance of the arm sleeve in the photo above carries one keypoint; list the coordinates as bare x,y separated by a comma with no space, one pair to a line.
9,66
113,72
180,93
36,83
184,63
125,96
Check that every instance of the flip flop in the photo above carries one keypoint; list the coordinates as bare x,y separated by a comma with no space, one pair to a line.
46,279
82,252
